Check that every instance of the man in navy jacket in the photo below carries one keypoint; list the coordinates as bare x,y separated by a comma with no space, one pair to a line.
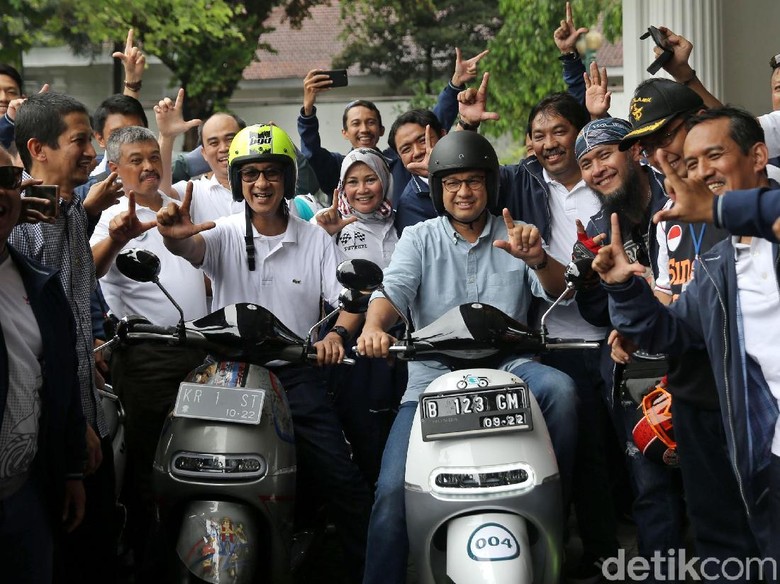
729,308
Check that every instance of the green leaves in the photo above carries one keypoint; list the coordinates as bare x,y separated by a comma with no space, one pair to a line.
523,57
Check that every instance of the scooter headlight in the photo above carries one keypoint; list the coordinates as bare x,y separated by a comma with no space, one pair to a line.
207,466
466,481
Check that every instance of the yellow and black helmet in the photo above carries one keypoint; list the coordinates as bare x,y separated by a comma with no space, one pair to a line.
262,143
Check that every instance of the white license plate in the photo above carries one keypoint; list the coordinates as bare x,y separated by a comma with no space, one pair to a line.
225,404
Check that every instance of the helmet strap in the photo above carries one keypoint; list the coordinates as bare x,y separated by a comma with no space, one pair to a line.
249,239
469,224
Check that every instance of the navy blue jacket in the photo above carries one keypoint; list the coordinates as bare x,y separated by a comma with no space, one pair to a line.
592,302
7,130
327,164
706,316
749,212
61,443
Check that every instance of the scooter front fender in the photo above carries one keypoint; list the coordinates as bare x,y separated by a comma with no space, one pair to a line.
219,542
489,548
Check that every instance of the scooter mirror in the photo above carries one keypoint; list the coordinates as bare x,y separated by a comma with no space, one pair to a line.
138,264
578,272
354,301
359,275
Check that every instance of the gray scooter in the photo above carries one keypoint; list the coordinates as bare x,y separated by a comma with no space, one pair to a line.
224,473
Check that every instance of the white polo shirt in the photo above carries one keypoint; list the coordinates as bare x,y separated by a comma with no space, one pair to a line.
293,271
210,200
565,208
125,296
759,303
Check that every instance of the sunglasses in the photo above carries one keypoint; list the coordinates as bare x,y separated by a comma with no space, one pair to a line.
10,177
774,62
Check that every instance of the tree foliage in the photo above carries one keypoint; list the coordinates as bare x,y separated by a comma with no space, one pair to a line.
22,25
413,42
206,44
522,62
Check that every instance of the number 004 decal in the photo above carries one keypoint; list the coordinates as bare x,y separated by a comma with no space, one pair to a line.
492,542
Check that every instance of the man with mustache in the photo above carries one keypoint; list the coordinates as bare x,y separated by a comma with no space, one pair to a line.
146,377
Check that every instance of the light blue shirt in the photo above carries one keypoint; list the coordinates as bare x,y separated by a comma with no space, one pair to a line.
433,269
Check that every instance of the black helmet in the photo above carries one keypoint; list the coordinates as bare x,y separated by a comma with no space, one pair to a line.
459,151
262,143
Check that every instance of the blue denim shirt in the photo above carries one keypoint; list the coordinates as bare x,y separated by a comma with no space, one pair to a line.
434,269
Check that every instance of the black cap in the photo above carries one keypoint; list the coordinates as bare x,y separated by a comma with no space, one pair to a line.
655,103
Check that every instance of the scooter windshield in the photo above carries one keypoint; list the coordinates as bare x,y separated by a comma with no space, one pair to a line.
246,332
475,331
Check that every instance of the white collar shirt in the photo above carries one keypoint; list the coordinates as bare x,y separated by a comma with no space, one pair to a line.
125,296
210,200
293,271
566,206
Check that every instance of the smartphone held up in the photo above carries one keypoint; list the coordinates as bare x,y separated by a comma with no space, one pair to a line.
50,193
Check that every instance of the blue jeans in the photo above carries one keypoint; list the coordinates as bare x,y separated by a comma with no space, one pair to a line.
388,547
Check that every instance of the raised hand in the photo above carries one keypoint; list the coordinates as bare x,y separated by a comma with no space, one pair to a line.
126,226
421,168
692,197
597,95
585,244
103,195
611,261
314,82
678,66
133,61
566,35
523,241
472,104
170,116
15,104
465,71
331,220
174,221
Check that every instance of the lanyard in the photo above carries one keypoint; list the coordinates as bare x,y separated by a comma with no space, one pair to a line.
697,242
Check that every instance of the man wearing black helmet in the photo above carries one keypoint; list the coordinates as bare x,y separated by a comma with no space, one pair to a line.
288,266
439,264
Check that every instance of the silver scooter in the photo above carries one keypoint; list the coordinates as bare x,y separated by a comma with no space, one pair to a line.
224,473
483,494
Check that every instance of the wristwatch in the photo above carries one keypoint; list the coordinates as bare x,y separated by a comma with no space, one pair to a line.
569,57
541,265
342,332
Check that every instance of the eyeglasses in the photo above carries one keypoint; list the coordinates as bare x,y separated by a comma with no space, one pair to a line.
452,185
10,177
663,140
774,62
251,174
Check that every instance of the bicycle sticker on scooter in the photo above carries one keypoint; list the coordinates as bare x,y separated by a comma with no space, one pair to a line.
492,542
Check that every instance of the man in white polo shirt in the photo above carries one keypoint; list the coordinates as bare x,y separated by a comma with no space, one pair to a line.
270,257
145,376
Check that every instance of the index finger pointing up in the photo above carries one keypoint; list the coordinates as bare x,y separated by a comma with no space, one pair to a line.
508,221
616,238
185,203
